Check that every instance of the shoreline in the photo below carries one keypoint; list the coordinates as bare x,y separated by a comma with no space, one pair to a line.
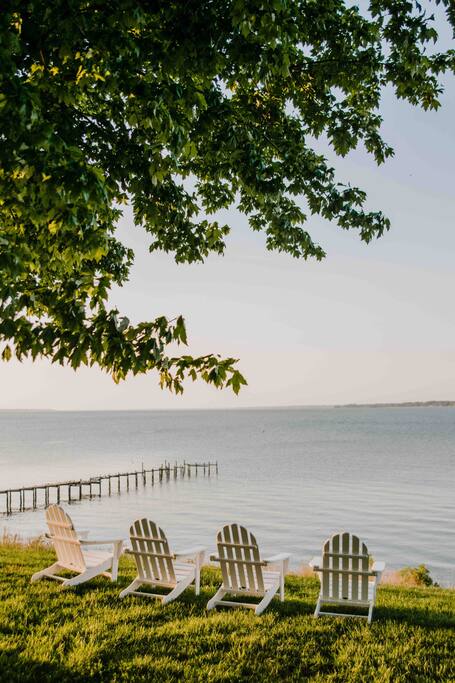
322,406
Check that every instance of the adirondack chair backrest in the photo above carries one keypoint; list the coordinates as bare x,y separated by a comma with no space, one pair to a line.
239,558
345,568
66,543
154,560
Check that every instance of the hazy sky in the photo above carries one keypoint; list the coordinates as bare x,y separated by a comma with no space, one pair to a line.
370,323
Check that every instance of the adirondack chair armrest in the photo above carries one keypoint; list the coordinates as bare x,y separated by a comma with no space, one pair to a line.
315,563
189,552
277,558
377,568
101,541
282,559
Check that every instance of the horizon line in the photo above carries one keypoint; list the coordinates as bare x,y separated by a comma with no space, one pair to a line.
390,404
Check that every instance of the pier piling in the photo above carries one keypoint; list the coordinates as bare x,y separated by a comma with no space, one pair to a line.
18,502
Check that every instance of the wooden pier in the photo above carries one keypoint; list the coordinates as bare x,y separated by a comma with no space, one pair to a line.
32,497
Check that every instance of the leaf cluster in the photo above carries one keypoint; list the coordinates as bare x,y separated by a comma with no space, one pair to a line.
103,104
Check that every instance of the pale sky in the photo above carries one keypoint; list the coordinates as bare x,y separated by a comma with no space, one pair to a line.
371,323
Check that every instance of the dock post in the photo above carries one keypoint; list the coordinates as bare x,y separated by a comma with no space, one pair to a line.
165,471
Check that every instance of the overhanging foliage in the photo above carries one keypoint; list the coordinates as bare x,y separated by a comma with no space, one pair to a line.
102,104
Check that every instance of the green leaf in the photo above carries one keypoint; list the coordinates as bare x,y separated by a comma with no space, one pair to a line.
6,353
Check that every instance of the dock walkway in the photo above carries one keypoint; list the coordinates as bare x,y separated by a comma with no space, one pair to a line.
25,498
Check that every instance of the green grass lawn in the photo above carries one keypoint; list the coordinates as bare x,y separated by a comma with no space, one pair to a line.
89,634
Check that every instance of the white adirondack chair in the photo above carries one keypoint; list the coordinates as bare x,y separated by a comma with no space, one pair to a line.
345,575
71,553
156,565
243,570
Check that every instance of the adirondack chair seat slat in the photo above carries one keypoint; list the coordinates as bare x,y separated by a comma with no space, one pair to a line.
71,556
350,601
243,572
181,574
345,575
93,558
269,577
270,580
156,564
183,567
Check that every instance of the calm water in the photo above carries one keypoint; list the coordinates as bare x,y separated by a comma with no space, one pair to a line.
293,476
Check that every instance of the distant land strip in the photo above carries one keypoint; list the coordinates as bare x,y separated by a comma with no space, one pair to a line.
405,404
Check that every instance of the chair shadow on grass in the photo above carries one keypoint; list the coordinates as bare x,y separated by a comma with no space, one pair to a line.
296,604
188,600
16,668
426,618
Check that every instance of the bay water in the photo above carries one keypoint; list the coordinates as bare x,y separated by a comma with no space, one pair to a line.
292,476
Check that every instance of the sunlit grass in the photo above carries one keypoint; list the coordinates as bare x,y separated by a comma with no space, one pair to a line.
88,633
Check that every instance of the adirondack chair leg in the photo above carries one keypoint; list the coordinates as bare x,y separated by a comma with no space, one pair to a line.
197,581
217,598
115,560
318,608
49,572
88,574
283,570
370,613
266,600
132,587
178,590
